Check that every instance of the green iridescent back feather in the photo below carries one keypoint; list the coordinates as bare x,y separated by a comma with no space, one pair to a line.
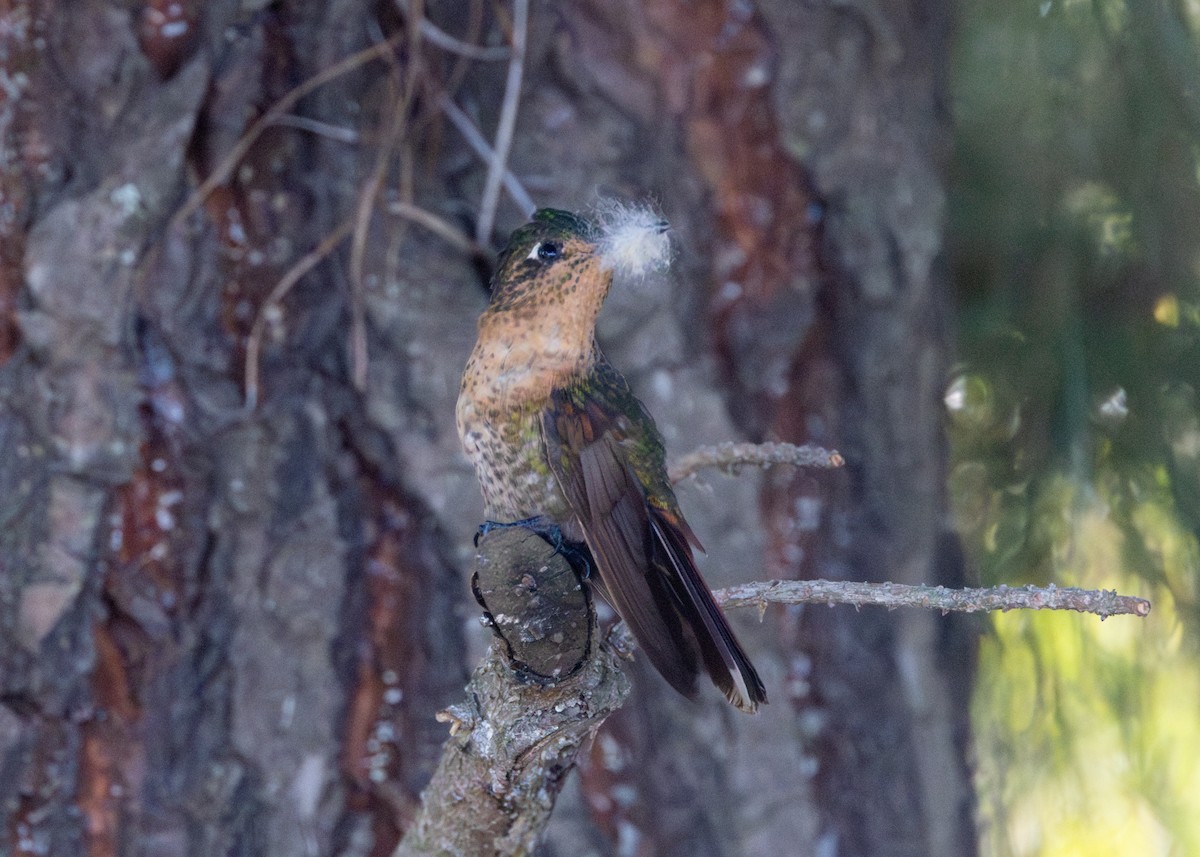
604,389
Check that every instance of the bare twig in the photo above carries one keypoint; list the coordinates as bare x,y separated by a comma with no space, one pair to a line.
280,108
369,194
732,457
472,33
893,595
271,304
436,35
439,226
475,140
316,126
516,734
506,124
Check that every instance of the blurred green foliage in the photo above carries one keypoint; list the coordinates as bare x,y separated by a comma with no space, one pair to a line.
1075,425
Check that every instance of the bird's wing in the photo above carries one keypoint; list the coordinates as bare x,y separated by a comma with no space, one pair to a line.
604,452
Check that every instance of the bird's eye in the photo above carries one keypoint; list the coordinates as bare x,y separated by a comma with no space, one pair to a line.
545,251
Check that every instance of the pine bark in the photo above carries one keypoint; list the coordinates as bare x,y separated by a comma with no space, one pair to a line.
229,630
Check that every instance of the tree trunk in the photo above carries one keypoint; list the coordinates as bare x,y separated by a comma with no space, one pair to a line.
228,629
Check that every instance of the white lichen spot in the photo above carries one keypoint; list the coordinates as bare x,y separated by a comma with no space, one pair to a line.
633,239
163,518
174,29
629,839
662,384
612,755
624,794
287,711
127,198
807,513
308,785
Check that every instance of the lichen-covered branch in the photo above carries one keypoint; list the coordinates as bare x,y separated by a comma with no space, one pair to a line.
546,685
510,749
732,457
892,595
513,741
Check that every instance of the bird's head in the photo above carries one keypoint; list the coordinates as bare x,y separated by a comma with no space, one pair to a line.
552,253
559,259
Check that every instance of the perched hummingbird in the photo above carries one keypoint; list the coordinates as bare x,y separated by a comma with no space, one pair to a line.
555,433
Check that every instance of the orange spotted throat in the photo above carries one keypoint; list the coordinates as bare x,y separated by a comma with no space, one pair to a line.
560,443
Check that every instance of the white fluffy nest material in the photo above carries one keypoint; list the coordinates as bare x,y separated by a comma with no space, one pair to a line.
633,239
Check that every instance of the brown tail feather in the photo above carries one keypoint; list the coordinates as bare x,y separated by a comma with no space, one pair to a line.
722,654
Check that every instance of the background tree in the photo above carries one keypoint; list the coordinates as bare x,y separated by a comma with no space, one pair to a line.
243,248
1073,237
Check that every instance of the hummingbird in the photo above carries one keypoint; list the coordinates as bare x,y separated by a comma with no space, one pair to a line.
556,436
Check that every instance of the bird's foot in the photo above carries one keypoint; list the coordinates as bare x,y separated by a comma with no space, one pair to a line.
539,524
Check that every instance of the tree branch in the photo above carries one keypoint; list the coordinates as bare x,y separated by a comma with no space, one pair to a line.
278,110
892,595
508,122
480,146
732,457
510,749
514,739
437,36
270,307
546,685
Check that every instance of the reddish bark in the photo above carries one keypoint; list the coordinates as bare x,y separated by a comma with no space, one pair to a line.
225,631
